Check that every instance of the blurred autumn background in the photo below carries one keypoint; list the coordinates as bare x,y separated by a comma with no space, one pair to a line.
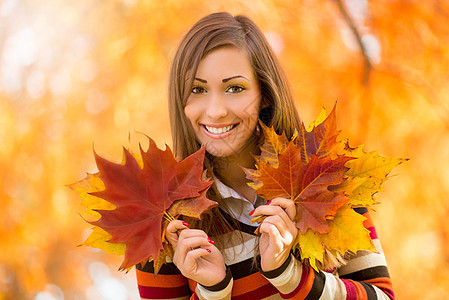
80,73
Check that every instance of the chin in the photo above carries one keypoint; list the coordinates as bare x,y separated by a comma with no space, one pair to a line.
217,153
221,152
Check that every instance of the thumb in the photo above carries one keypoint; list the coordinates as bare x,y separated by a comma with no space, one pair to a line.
172,230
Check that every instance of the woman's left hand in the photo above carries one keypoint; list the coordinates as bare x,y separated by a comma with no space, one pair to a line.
277,232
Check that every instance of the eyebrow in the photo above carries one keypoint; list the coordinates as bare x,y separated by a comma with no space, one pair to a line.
202,80
237,76
224,80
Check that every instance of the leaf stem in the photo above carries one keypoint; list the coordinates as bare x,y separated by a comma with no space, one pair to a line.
168,216
258,219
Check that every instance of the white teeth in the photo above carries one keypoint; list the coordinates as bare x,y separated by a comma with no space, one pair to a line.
219,130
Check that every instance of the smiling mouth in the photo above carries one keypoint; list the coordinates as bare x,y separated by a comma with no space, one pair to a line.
219,130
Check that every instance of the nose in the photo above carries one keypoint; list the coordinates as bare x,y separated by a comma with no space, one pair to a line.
217,107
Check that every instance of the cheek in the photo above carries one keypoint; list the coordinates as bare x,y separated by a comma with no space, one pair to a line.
189,111
253,110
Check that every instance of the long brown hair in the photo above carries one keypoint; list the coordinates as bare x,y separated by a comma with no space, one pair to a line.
209,33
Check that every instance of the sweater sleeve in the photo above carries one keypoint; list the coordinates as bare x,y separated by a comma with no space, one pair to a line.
365,276
169,283
221,290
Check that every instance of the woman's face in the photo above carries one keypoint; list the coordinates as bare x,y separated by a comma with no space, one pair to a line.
224,102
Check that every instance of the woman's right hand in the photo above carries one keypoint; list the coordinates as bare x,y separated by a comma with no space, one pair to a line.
195,255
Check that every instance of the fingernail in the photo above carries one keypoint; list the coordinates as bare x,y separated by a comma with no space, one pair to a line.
251,213
185,224
210,241
208,250
268,203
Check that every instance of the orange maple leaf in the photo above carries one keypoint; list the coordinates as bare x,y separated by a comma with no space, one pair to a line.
274,145
306,184
320,140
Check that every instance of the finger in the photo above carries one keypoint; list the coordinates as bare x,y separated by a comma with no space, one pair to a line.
287,204
192,255
171,232
286,232
272,210
273,232
195,242
192,233
191,239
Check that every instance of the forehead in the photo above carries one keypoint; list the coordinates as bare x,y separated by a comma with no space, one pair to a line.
225,62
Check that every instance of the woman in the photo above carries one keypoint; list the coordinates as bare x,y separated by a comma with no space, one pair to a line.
225,77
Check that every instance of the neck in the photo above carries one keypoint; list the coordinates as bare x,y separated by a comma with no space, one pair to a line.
229,169
231,173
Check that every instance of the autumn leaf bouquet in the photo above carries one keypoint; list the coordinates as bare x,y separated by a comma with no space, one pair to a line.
134,201
326,179
131,203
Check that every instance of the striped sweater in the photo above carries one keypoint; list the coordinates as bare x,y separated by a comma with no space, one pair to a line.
365,276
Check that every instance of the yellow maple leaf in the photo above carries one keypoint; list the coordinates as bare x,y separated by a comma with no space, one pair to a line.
310,247
90,184
347,233
320,119
98,239
368,171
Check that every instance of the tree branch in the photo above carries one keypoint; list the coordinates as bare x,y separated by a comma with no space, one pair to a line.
367,63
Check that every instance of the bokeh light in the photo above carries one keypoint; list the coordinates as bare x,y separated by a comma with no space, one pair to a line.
78,75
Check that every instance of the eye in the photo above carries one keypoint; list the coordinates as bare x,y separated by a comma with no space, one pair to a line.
235,89
198,90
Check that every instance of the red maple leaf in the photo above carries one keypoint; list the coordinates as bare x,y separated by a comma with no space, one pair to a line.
315,202
142,197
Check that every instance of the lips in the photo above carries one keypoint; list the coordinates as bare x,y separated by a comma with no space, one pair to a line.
218,131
